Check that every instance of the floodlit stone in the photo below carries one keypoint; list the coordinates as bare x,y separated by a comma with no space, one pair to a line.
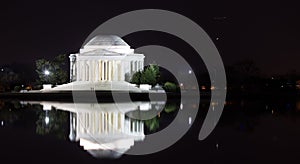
106,62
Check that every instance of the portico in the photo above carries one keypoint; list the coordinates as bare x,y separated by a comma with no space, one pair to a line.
105,58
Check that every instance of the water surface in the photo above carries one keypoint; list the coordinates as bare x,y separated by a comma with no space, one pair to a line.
249,131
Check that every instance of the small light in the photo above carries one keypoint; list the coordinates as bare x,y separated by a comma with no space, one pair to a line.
190,120
47,120
2,69
181,84
2,123
46,72
181,106
190,71
217,38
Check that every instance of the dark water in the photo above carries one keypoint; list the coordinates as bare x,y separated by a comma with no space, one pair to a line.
249,131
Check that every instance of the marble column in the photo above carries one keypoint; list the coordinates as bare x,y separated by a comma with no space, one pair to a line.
90,70
138,65
119,70
95,127
92,124
99,70
86,66
115,121
106,122
109,70
102,70
134,66
90,127
81,70
78,78
73,70
141,68
96,117
131,67
127,126
141,127
113,70
133,126
102,122
93,71
106,70
115,75
122,117
109,122
84,71
96,70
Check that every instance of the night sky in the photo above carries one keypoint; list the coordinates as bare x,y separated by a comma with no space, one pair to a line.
265,32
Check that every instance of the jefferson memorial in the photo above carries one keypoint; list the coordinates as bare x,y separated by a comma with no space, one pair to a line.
106,62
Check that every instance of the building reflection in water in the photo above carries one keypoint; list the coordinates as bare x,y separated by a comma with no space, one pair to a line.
106,129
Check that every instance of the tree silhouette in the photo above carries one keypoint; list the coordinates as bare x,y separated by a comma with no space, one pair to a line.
55,72
150,75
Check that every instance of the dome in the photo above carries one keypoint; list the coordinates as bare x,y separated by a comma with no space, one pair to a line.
106,40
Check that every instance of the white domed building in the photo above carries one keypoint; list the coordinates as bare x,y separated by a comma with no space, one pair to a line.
106,62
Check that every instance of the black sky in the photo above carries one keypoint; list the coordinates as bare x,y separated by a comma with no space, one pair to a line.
266,32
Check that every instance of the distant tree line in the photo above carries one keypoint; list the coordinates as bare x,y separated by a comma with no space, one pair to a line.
8,78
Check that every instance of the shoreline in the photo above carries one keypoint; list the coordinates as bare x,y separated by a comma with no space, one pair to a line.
85,96
106,96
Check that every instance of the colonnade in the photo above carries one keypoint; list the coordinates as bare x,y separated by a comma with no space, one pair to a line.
99,70
105,70
136,66
107,123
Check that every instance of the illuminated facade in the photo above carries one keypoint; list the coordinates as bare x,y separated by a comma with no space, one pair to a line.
106,62
105,58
